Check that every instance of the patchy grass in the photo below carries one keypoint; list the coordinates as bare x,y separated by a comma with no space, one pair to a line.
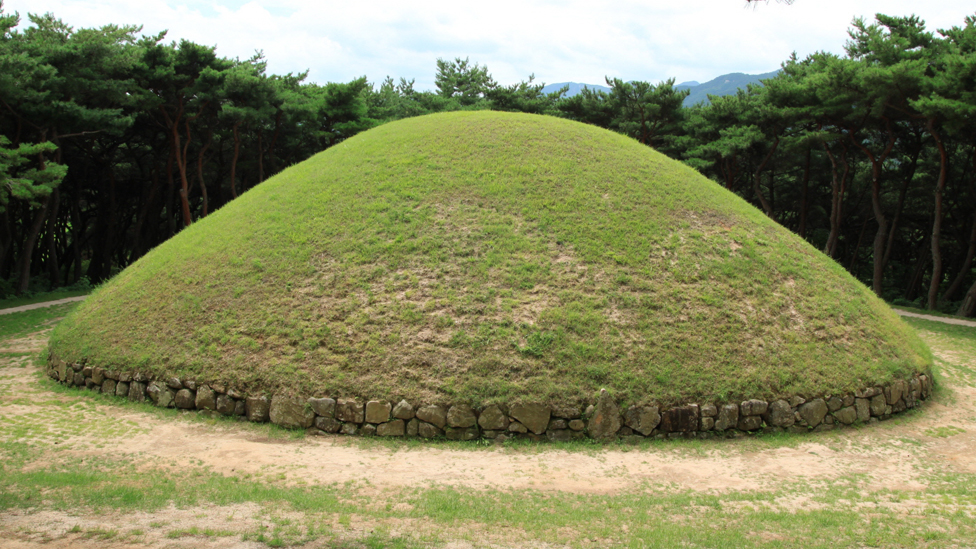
484,257
24,323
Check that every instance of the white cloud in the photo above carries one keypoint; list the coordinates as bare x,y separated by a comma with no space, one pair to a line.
558,41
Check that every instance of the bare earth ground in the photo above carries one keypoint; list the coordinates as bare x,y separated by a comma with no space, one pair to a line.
889,456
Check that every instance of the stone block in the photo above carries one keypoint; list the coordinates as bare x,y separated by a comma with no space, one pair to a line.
680,419
642,419
493,418
122,389
834,404
428,430
350,410
847,415
378,411
206,398
461,416
878,405
863,408
753,408
404,410
290,412
813,411
779,414
534,416
605,420
395,428
462,433
324,407
433,414
257,408
185,399
749,423
728,417
225,405
137,391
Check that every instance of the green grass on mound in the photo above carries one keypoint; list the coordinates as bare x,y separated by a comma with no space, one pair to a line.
489,257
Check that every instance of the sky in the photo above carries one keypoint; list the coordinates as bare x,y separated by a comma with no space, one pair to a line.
557,41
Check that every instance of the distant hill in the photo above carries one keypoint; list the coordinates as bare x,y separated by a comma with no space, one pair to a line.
574,88
726,84
723,85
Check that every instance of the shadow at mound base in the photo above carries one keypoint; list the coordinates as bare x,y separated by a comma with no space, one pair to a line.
601,419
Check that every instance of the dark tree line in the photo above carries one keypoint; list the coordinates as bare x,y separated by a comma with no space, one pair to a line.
111,141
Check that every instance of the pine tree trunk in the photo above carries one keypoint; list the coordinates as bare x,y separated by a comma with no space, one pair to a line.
26,254
937,221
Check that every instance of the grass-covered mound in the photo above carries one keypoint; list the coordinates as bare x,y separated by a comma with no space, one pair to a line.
490,257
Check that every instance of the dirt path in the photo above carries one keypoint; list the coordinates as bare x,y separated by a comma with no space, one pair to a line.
889,456
956,321
32,306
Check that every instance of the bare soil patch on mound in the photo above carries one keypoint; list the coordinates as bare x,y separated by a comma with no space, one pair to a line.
896,457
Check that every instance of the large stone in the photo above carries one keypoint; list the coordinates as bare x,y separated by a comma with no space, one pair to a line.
239,407
433,414
367,430
206,398
327,424
378,411
896,391
350,410
324,407
577,424
780,414
79,379
605,421
167,398
257,408
137,391
559,435
291,412
108,387
707,423
174,383
125,377
753,408
566,412
427,430
642,419
834,404
226,405
395,428
680,419
535,417
349,429
413,427
98,375
404,410
878,405
493,418
461,416
846,416
462,433
813,412
728,417
185,399
122,389
749,423
863,408
153,391
709,410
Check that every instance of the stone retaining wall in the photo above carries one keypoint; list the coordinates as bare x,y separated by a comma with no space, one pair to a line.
603,419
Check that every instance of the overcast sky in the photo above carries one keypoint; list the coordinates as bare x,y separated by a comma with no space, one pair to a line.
558,41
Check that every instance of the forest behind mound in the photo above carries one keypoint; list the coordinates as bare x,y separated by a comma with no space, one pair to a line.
112,141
